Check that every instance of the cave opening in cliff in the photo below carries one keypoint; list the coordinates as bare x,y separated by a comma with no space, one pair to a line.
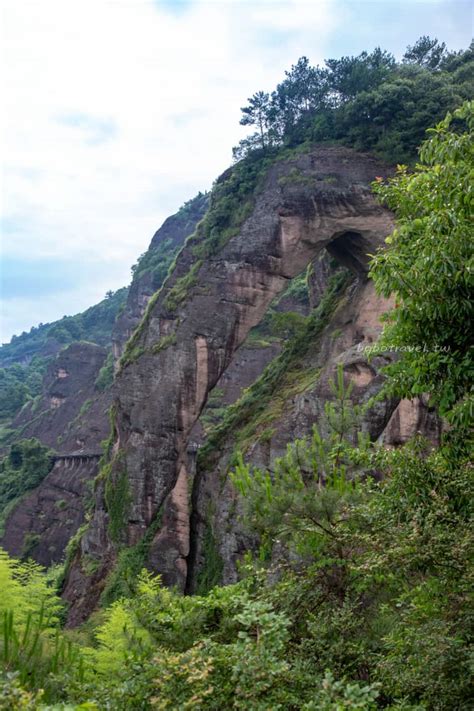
351,250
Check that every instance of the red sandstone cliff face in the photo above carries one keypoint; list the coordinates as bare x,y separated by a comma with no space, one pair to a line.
42,523
218,539
72,414
182,352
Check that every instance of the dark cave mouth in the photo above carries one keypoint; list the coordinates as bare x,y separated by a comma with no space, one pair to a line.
351,250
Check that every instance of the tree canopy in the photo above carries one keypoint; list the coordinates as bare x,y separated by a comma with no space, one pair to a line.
369,102
429,265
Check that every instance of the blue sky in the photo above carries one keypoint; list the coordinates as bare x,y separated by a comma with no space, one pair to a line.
116,111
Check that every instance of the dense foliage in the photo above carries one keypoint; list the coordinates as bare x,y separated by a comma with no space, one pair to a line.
18,384
31,651
106,374
359,595
23,468
368,580
369,102
429,266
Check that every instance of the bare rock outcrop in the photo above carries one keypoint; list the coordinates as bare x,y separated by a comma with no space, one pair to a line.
410,419
185,344
71,418
218,539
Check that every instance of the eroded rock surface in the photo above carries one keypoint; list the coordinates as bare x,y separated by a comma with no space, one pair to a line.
217,533
182,351
409,419
71,416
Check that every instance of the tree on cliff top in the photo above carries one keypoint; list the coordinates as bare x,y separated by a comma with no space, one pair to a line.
426,52
368,102
256,114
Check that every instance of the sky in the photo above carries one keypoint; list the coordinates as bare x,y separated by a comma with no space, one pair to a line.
114,112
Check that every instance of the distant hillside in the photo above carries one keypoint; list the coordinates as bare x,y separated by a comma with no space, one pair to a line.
93,325
23,361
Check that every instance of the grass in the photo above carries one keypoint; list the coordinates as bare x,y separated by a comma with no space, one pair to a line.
85,407
105,377
179,291
298,289
296,177
71,550
210,574
131,354
108,443
130,562
164,343
117,495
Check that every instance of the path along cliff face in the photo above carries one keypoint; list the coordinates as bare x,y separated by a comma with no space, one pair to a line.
315,201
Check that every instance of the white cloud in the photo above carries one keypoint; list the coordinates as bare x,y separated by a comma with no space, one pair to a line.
138,66
116,111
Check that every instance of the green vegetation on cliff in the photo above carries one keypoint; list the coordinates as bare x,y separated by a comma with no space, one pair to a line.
230,203
19,384
157,260
263,401
106,374
369,102
116,496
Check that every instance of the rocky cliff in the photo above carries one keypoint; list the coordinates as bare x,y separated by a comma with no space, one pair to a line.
70,417
233,354
148,500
